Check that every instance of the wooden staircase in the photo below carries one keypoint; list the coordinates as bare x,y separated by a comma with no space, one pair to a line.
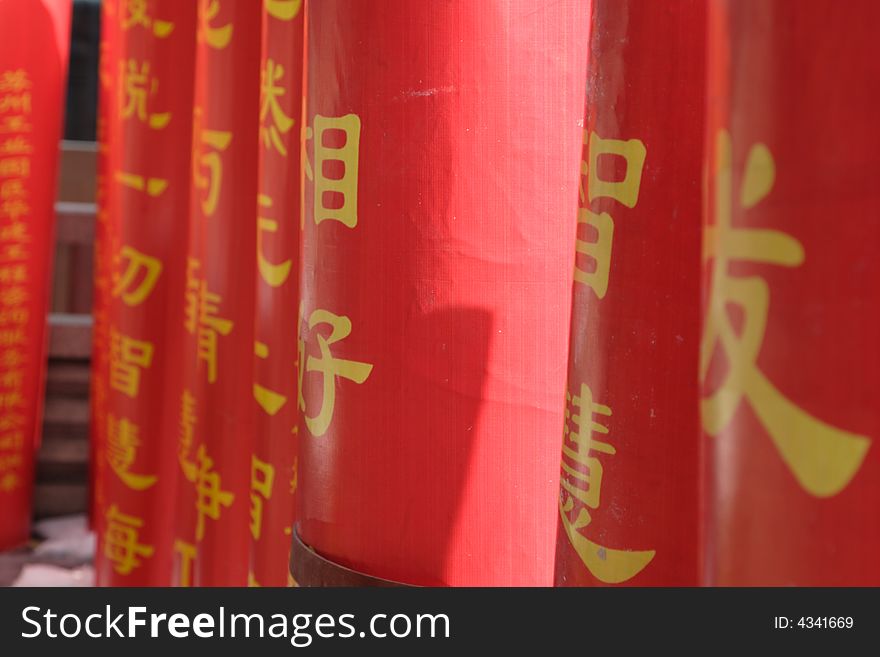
63,462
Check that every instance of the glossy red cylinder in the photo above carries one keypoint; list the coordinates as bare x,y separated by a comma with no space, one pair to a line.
790,355
33,72
629,491
141,268
216,409
441,184
274,472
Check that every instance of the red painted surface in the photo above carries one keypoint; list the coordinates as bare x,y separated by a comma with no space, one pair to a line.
143,207
213,540
274,467
788,396
33,73
629,496
439,220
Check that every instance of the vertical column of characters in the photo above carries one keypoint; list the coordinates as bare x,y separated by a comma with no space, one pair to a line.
217,408
331,160
629,480
33,66
190,403
274,461
435,243
16,245
147,256
789,350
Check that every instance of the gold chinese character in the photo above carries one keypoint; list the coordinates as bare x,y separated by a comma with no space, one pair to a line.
216,37
137,85
283,10
12,421
821,457
344,188
15,167
274,274
14,296
18,103
11,337
122,448
210,162
202,318
187,435
273,121
121,541
329,367
16,146
11,358
14,81
186,553
10,462
136,15
625,192
14,124
15,232
154,187
12,253
10,481
13,273
12,441
581,483
127,358
139,278
269,400
210,496
599,251
12,189
262,480
19,316
15,208
13,379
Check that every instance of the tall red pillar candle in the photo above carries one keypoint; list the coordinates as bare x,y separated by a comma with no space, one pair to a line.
629,490
441,149
33,74
790,352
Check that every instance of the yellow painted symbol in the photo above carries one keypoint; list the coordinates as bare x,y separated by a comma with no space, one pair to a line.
121,541
208,164
581,489
283,10
123,442
269,400
329,367
822,458
275,274
625,192
139,277
347,156
216,37
273,121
